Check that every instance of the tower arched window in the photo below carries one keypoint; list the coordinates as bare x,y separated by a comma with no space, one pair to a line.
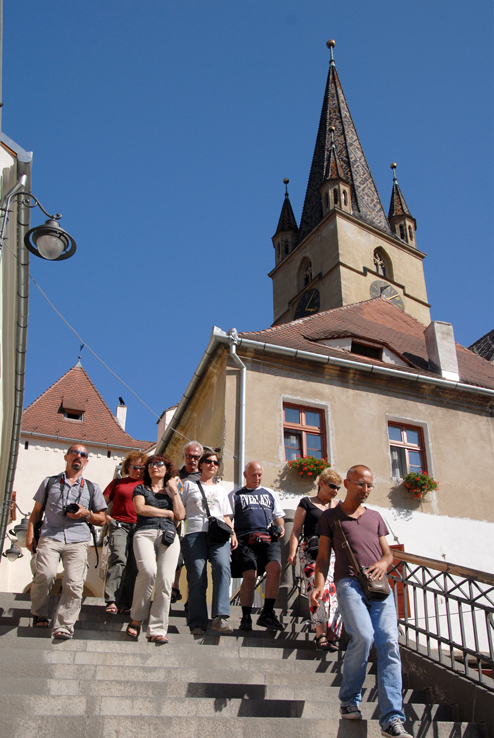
287,248
402,231
344,197
335,196
304,276
382,264
410,234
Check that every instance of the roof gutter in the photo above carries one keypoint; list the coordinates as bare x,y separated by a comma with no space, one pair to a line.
220,337
34,434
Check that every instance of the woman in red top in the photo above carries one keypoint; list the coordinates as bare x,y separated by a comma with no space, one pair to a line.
122,570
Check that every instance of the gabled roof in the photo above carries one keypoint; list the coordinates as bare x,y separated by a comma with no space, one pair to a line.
378,321
287,220
366,203
75,391
484,346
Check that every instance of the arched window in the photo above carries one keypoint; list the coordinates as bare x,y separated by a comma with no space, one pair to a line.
304,276
382,264
344,197
335,196
410,234
402,231
286,247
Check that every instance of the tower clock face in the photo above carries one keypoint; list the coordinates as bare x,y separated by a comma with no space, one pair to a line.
308,304
379,288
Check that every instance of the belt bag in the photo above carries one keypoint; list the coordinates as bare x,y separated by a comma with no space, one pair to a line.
313,547
258,538
373,589
218,530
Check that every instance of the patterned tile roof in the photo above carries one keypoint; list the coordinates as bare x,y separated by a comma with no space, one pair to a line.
379,321
366,203
75,392
287,220
334,169
484,346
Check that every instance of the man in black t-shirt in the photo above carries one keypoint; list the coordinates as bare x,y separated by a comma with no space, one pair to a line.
365,620
255,510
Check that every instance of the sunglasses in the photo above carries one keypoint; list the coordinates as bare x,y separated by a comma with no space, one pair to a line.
192,456
156,463
332,486
82,454
133,466
211,461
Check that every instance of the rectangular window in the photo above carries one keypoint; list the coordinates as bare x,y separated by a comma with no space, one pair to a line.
303,432
406,444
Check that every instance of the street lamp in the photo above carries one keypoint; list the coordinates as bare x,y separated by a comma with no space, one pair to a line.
48,241
20,530
14,552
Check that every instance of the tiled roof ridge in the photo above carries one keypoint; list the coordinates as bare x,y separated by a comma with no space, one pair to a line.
52,386
308,318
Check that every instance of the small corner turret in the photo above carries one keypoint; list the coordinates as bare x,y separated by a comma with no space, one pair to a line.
400,219
286,236
335,190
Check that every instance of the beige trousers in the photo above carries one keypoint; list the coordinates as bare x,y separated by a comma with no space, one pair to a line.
74,558
156,564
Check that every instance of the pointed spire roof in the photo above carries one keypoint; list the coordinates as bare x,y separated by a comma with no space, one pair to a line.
397,206
366,203
287,220
75,393
334,169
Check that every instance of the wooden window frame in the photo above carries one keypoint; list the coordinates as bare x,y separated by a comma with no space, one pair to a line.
304,429
421,449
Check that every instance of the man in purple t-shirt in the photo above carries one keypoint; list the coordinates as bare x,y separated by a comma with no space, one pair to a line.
366,621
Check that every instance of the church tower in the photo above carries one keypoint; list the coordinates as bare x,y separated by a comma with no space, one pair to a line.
346,250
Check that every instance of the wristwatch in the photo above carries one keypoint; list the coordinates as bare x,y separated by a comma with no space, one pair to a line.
87,516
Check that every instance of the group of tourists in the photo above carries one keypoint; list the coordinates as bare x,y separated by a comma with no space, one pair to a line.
161,519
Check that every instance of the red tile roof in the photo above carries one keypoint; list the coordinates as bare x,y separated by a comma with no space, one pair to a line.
381,322
75,392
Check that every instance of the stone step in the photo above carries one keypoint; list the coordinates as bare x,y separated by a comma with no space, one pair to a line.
61,726
214,705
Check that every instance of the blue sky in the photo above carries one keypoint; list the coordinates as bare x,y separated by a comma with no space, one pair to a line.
163,130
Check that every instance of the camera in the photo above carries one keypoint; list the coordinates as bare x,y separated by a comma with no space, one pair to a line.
168,537
72,508
275,531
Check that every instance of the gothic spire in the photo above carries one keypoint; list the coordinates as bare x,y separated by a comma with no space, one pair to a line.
400,219
287,220
366,203
397,206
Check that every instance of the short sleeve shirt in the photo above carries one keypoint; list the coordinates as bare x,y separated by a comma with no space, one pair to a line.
162,500
218,503
119,491
58,526
362,533
254,509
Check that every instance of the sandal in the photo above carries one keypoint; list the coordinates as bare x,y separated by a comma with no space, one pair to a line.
176,595
157,639
324,644
62,634
111,608
133,630
39,621
124,610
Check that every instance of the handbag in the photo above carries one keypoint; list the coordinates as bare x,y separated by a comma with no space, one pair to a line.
218,530
373,589
312,547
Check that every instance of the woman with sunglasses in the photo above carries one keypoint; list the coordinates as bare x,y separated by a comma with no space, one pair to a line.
122,570
159,508
197,549
326,619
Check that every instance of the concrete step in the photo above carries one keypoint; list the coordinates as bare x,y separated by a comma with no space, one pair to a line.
188,706
211,727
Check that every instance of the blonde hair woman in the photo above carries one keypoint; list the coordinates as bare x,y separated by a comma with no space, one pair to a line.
326,619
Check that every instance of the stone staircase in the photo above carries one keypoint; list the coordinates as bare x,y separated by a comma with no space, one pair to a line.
246,685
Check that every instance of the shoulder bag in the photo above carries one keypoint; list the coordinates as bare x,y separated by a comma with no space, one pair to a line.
218,530
373,589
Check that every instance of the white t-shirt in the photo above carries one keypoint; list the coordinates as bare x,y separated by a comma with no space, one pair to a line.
219,505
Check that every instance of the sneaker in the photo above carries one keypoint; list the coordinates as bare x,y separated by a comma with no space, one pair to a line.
219,624
269,620
197,632
245,623
396,729
350,712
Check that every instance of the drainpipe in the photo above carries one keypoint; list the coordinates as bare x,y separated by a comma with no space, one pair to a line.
233,339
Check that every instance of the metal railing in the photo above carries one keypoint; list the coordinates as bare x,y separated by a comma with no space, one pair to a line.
446,613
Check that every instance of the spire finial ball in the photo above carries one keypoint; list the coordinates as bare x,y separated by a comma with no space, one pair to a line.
393,165
332,129
286,181
331,44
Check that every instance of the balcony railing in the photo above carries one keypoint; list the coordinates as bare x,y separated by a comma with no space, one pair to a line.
446,613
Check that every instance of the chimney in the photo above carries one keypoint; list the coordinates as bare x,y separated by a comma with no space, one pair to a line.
441,350
121,415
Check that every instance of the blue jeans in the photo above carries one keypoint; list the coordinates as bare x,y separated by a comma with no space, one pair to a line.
366,621
197,551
